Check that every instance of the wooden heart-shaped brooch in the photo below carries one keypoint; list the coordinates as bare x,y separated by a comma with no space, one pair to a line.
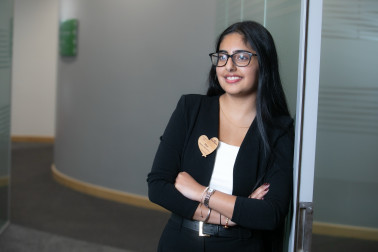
207,146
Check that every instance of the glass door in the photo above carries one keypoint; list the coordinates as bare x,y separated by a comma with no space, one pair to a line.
346,177
6,15
282,19
295,26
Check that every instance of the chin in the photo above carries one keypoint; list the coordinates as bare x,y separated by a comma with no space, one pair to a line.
240,93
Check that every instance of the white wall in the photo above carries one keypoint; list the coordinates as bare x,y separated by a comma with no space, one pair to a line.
35,43
135,59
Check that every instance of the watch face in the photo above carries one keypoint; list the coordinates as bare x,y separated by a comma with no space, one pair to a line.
209,193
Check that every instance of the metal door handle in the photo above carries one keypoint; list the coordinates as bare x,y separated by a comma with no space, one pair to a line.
304,230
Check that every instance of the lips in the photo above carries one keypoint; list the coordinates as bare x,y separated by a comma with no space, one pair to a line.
232,78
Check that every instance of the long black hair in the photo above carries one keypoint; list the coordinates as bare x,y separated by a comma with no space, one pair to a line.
271,99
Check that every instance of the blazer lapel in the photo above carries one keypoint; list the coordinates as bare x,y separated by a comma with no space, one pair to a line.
213,131
206,123
247,163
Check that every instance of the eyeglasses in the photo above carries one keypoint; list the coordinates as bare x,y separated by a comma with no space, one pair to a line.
239,58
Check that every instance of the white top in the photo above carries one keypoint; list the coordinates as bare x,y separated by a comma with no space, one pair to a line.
223,173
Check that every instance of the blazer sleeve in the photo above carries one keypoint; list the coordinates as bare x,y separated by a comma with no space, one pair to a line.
167,164
269,213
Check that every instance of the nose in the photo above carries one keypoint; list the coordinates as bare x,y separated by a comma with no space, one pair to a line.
230,66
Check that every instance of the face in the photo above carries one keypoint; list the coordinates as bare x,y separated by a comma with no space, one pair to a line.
235,80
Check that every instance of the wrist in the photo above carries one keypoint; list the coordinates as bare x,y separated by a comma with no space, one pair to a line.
206,199
203,193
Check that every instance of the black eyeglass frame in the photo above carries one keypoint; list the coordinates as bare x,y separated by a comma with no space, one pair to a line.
232,58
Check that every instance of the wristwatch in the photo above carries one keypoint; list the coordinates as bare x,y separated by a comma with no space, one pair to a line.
209,193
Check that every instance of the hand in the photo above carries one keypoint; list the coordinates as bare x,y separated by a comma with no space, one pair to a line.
260,192
187,185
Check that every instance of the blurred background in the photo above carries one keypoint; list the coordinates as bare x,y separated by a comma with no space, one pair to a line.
87,88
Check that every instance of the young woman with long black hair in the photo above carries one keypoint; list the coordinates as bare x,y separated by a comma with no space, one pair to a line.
224,163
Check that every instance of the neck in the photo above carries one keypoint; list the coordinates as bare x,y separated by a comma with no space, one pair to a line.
239,111
240,106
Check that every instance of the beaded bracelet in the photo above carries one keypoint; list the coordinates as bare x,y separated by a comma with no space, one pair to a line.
226,225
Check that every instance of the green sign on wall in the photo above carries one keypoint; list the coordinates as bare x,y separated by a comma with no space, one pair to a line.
68,32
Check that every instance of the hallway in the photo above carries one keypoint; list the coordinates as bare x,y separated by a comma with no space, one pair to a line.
46,216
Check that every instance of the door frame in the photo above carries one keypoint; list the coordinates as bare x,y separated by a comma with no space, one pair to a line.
306,124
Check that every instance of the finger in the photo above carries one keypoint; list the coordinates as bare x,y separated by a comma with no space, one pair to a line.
257,192
260,192
261,195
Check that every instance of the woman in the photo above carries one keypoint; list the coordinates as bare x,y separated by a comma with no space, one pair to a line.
210,185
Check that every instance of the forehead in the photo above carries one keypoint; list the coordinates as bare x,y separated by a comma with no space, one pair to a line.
234,42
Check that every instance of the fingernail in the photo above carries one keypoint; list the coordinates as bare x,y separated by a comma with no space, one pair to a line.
267,184
266,189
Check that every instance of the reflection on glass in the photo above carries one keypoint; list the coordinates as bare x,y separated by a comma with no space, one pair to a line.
346,174
5,84
282,19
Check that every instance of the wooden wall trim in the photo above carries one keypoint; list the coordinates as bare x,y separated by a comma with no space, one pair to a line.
103,192
356,232
4,181
320,228
36,139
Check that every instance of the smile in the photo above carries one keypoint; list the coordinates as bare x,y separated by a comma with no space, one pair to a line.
232,79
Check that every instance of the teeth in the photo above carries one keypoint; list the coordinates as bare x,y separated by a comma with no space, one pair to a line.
233,78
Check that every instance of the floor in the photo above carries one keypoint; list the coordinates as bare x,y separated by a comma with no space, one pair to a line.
322,243
17,238
46,216
40,203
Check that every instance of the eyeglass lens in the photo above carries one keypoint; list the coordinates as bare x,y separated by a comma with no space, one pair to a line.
239,59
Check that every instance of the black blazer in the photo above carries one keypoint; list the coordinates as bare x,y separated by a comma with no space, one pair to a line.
197,115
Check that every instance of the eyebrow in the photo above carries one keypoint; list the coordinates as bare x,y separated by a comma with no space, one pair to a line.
236,51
